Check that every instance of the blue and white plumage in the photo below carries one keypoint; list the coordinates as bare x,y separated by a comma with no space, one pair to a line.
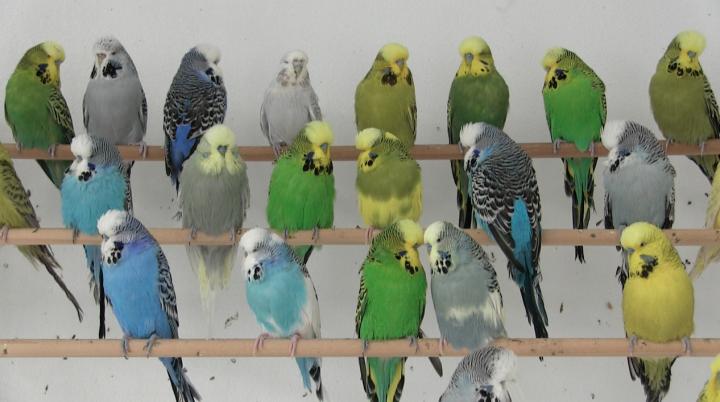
96,182
195,102
282,297
465,291
482,376
506,201
139,287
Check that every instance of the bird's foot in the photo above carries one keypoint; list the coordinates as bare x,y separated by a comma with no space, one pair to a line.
192,235
233,235
369,235
286,234
52,150
592,149
142,149
702,149
414,343
4,231
149,345
460,147
18,146
687,347
667,143
364,347
556,145
631,345
293,343
315,234
75,234
442,342
259,341
277,150
125,345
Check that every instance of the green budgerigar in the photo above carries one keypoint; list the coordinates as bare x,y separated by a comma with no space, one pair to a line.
575,109
391,305
36,110
385,98
477,94
302,185
682,101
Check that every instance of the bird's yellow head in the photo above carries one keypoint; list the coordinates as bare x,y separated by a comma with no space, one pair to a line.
44,60
320,137
648,249
476,58
217,151
391,62
412,237
689,45
369,141
557,63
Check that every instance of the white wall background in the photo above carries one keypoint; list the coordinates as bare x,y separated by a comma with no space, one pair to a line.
621,40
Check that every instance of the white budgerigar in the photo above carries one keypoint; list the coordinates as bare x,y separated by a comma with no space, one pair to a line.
482,376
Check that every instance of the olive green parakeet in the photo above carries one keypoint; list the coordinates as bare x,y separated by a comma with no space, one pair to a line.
385,98
575,109
477,94
391,305
682,101
302,185
36,110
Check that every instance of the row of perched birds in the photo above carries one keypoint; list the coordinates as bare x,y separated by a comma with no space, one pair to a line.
496,191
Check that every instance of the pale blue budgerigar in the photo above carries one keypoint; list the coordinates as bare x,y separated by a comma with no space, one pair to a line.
506,201
139,287
639,180
96,182
214,197
283,298
195,102
465,291
114,105
482,376
290,102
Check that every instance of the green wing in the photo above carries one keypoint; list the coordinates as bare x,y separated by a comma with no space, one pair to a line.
711,107
61,114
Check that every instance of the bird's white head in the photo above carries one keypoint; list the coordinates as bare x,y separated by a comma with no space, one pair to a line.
294,68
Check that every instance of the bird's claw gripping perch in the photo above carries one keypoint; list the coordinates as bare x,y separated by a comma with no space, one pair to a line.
193,234
259,341
364,347
442,342
75,234
143,149
293,343
369,235
556,145
315,234
687,347
414,343
592,149
125,346
4,231
52,150
702,149
631,345
149,345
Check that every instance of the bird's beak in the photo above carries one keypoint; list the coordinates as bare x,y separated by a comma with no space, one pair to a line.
324,147
222,149
629,250
100,58
691,54
468,58
400,64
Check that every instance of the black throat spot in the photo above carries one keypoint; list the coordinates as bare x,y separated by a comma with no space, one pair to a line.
389,78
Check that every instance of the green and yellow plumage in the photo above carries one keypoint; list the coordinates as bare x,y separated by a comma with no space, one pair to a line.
35,109
477,94
711,390
658,302
385,98
682,101
391,304
575,110
302,185
388,181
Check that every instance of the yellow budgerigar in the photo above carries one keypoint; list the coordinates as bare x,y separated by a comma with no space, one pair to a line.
658,302
709,253
711,390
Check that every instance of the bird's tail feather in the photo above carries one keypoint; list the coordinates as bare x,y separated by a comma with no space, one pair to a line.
707,164
93,257
182,388
385,378
213,266
535,308
705,256
303,252
465,208
310,372
654,375
580,186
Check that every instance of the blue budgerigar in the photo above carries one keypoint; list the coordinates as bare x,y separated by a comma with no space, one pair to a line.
96,182
482,376
505,198
465,291
639,180
283,298
195,102
139,287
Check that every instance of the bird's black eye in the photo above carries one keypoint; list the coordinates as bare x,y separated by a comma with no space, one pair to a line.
113,53
642,244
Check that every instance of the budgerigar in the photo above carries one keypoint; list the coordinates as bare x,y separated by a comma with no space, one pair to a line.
215,195
504,193
710,253
465,291
711,390
290,102
139,287
478,93
658,303
575,109
483,376
36,110
302,186
388,183
682,100
96,182
639,180
391,305
385,98
282,297
195,102
17,212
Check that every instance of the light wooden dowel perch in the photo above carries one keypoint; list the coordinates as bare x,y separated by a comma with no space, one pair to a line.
349,153
550,237
558,347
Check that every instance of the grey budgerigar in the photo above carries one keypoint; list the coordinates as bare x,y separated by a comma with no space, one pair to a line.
290,102
482,376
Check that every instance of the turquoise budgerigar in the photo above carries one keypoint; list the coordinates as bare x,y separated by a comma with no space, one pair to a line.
283,298
196,101
214,197
482,376
96,182
139,287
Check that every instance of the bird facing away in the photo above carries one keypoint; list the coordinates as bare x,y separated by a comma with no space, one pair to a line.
282,296
709,253
682,101
639,180
575,109
504,193
195,102
482,376
290,102
139,287
301,194
97,181
385,98
477,94
464,287
36,110
214,197
711,390
658,303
